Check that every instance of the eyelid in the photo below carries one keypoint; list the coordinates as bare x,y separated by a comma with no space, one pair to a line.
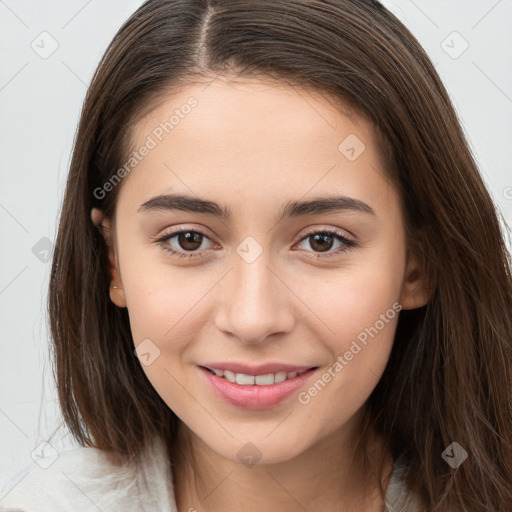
337,231
176,230
309,231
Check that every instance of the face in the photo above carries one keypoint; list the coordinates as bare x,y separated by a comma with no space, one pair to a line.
282,281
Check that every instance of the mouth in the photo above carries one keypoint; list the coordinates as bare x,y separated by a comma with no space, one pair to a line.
255,390
265,379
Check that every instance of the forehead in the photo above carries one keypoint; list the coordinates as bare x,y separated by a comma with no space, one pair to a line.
261,107
256,136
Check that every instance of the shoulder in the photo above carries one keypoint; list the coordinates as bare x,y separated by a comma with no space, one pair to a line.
398,496
81,479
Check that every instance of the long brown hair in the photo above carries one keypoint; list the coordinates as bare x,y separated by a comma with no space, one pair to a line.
448,378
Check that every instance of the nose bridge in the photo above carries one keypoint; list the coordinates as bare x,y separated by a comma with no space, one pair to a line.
255,303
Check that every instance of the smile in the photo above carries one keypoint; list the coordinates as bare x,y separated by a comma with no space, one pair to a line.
250,380
259,391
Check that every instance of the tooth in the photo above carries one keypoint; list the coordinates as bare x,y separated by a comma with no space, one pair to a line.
229,375
264,380
245,380
249,380
280,377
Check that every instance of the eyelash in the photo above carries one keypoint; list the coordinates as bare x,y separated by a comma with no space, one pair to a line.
348,243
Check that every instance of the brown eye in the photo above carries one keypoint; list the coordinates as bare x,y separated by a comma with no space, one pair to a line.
187,243
322,242
189,240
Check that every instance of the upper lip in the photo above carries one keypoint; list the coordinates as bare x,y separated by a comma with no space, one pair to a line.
260,369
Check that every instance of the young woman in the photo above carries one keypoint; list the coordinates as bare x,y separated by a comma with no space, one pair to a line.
279,282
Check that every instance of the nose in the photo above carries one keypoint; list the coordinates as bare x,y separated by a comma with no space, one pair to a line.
255,301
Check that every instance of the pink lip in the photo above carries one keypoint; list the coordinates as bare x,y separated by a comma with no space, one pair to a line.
260,369
254,397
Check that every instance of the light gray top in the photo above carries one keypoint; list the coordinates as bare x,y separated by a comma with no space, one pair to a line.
84,480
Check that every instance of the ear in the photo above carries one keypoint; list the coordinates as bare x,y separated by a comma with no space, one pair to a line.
415,292
116,285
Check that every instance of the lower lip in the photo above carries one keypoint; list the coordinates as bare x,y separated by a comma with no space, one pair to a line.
255,397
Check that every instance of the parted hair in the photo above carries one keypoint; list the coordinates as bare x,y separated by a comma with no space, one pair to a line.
448,377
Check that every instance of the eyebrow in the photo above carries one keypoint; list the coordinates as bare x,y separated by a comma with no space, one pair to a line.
171,202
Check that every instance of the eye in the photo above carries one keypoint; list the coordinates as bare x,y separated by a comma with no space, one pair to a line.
188,243
324,240
188,240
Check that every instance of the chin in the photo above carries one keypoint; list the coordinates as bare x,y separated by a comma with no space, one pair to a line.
259,449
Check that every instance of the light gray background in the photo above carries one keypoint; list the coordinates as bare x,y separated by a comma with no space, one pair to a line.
40,102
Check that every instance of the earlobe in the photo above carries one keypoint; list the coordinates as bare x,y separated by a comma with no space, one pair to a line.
117,295
116,291
116,284
415,292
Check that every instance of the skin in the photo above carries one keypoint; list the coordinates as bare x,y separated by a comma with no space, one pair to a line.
252,147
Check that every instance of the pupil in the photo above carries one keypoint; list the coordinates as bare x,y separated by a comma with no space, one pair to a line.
190,241
324,245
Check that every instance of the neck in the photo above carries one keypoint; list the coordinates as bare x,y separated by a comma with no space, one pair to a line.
329,475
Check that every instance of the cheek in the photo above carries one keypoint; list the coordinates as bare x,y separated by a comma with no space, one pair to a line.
355,297
359,308
164,319
169,306
164,309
